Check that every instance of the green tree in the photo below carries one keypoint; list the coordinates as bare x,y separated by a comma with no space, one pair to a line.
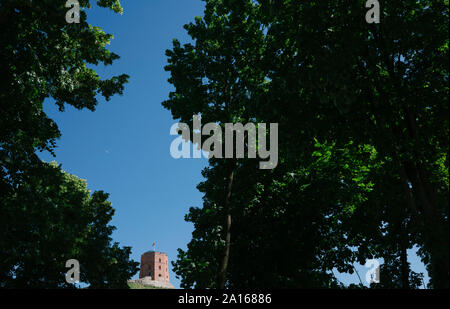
51,218
380,84
48,216
44,57
213,78
363,129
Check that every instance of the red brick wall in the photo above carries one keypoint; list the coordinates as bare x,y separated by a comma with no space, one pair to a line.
156,265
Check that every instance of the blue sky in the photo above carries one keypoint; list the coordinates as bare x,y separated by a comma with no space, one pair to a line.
123,147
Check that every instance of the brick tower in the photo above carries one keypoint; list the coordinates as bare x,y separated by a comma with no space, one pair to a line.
155,265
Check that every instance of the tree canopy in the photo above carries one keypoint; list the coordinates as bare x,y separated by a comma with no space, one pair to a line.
48,216
51,218
363,146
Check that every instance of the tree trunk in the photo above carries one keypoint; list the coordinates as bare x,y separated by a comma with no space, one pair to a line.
436,232
227,229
